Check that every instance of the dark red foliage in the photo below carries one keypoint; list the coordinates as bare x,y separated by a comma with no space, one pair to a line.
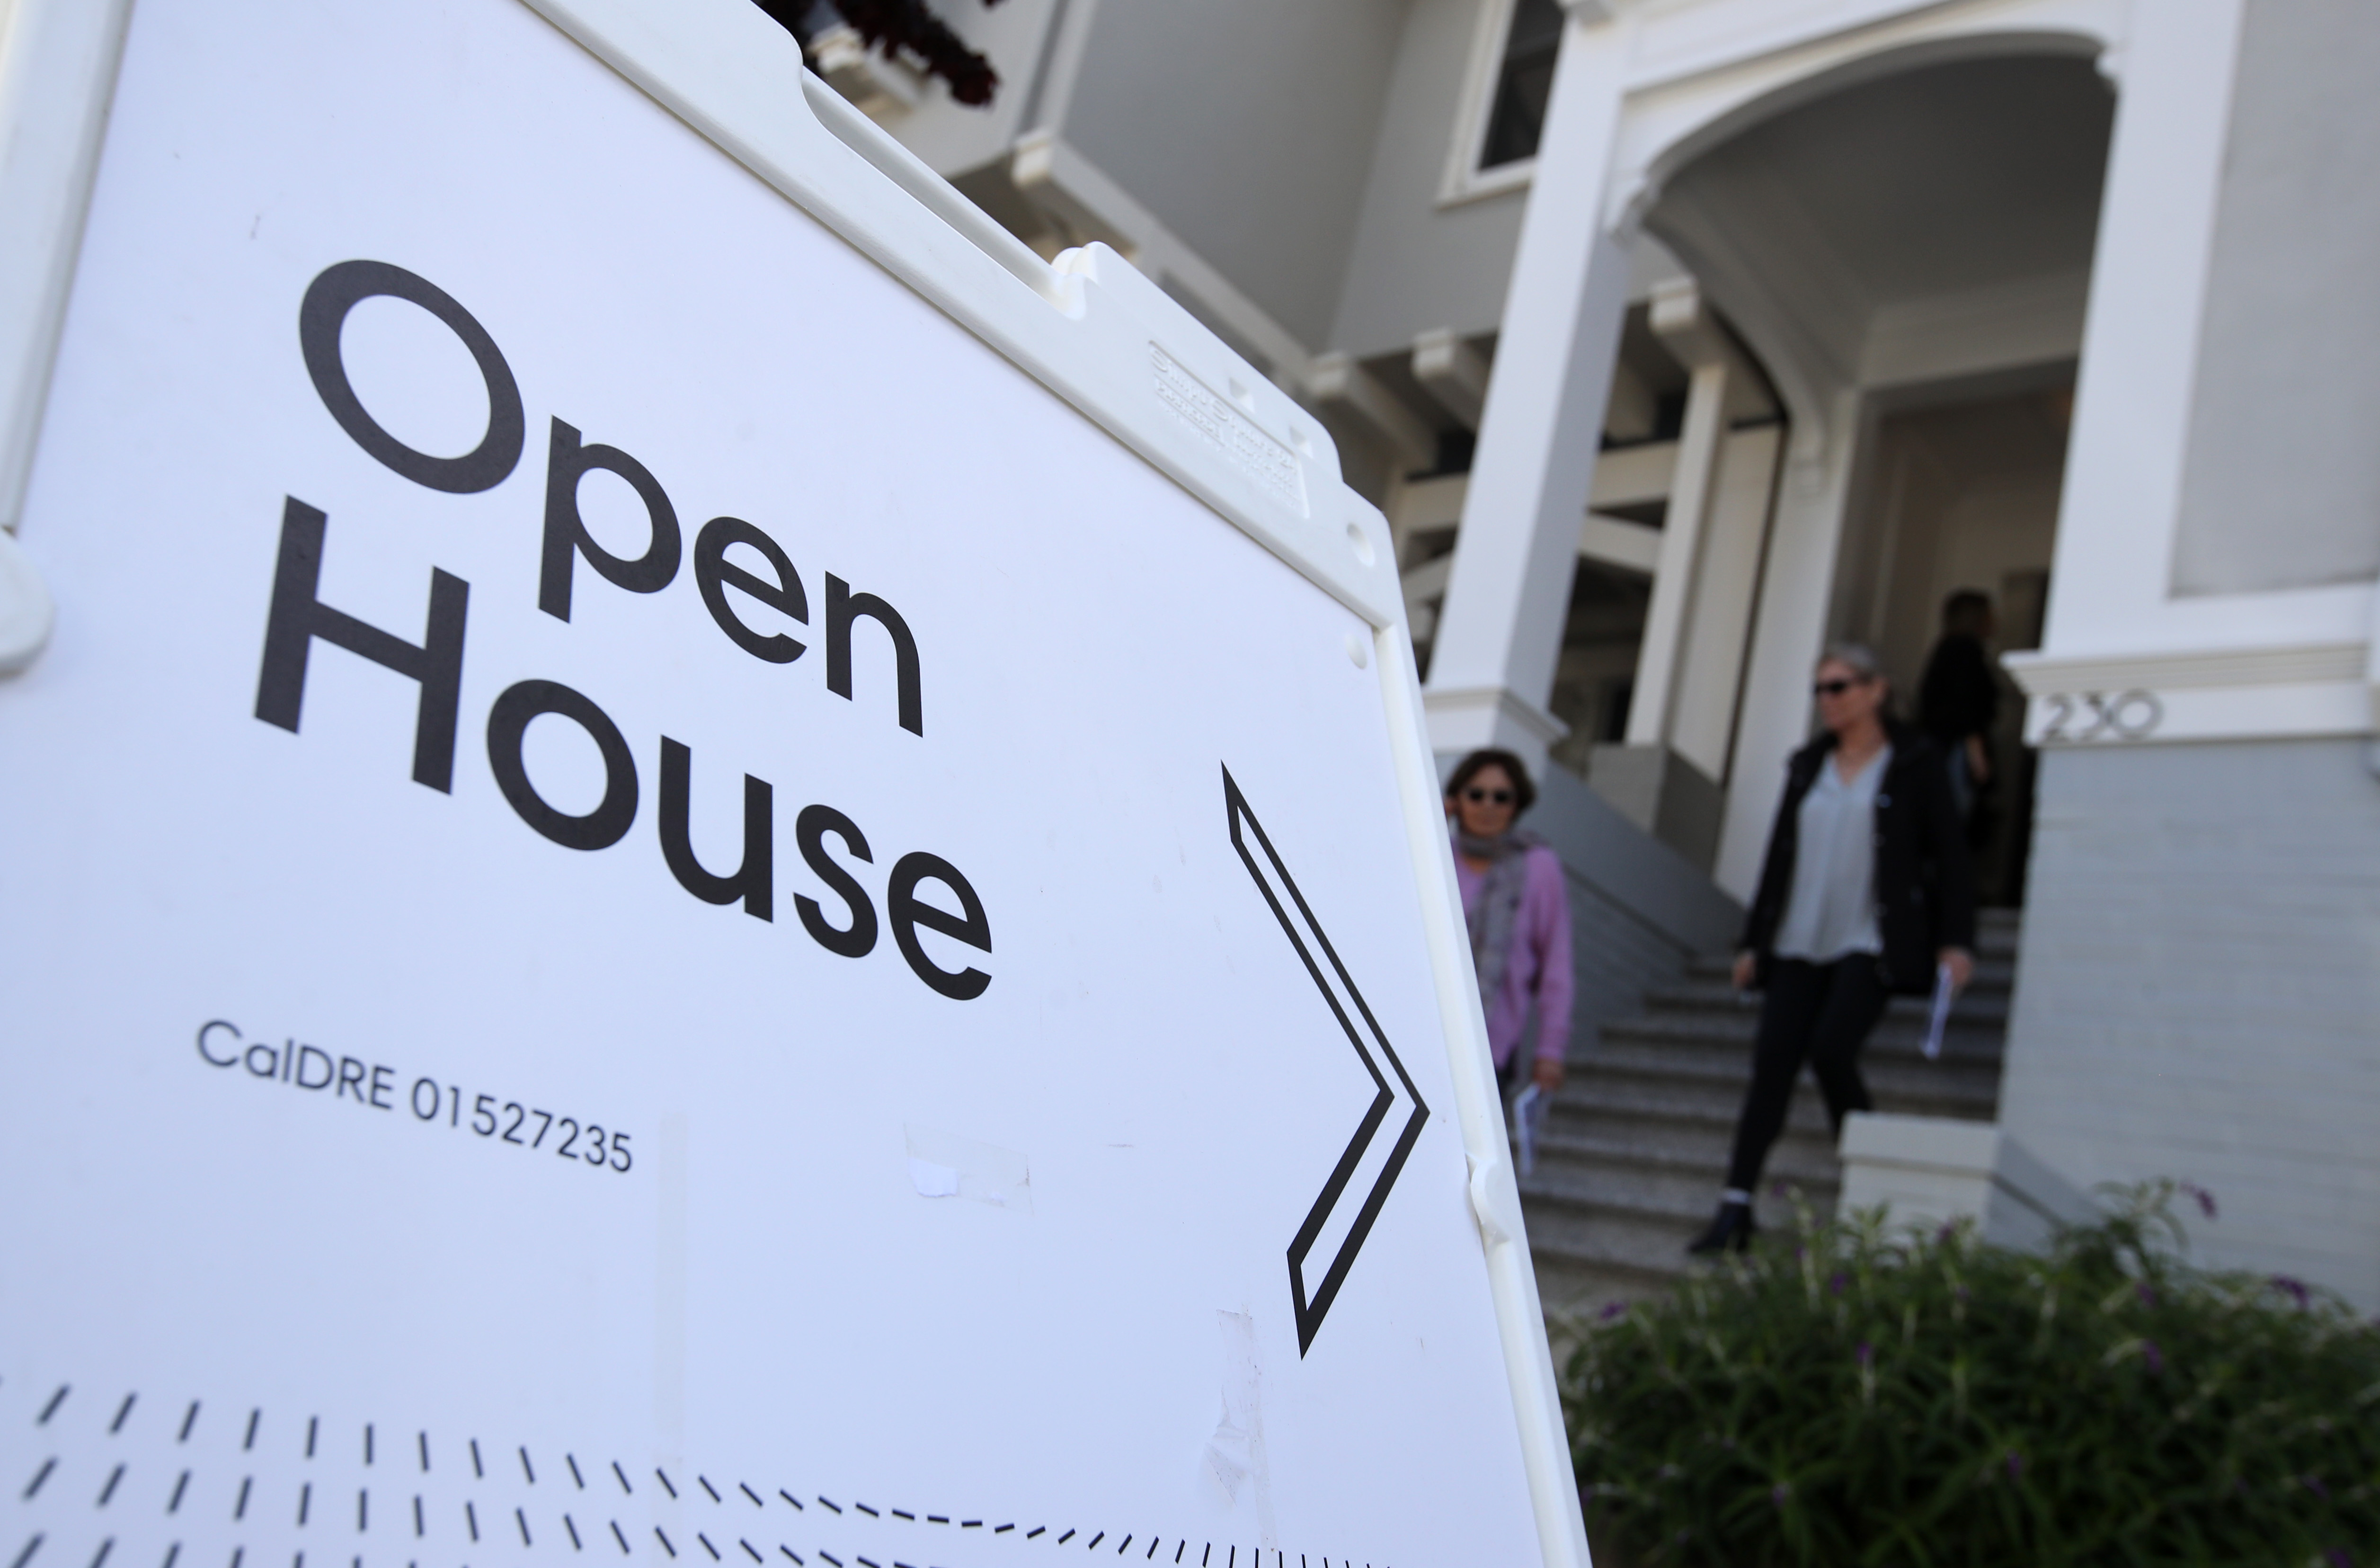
902,27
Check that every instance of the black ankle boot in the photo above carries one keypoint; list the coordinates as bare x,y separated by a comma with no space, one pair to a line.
1730,1230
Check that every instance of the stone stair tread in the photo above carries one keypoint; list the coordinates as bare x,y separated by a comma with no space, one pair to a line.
1662,1122
1705,1150
1700,1104
1918,1081
1682,1213
1979,1004
1683,1195
1789,1165
1636,1057
1643,1119
1653,1249
1636,1050
1980,1037
1646,1247
1994,967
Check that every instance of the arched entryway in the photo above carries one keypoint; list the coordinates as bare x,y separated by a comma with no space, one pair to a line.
1904,249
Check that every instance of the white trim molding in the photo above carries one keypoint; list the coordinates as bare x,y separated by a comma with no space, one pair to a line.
1616,541
1467,718
2303,691
1337,384
1699,74
1055,176
1930,1171
57,75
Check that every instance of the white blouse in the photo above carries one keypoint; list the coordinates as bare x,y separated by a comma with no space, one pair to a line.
1832,910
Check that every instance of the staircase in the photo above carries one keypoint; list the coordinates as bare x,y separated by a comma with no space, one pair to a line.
1635,1145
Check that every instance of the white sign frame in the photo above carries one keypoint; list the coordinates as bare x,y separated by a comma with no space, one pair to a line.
1085,327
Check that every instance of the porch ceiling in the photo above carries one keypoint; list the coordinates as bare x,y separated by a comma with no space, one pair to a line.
1966,179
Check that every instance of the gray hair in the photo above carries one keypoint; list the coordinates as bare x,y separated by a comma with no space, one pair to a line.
1856,656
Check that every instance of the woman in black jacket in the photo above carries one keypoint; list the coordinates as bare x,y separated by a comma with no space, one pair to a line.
1866,891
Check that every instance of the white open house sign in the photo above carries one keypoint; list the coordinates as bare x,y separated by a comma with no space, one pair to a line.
701,867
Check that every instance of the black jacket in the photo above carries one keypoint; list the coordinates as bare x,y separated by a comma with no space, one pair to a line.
1958,696
1924,887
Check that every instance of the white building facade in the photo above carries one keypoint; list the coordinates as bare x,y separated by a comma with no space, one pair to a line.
1680,337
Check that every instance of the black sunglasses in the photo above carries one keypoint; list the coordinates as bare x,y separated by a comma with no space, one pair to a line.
1492,797
1836,688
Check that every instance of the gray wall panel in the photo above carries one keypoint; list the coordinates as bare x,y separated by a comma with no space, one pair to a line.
2199,992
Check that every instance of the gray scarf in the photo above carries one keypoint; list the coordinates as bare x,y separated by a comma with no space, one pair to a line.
1491,917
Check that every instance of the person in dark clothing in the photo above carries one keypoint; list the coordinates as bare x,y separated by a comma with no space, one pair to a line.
1958,701
1866,891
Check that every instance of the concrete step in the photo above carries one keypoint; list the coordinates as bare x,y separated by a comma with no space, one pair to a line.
1682,1208
1572,1290
1974,1044
1596,1174
1995,975
1587,1255
1606,1145
1980,1003
1968,1090
1694,1118
1998,931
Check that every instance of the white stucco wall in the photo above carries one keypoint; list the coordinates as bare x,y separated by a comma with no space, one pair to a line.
2282,483
1246,126
1417,264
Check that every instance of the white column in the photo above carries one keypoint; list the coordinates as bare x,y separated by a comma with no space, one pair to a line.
1499,633
2111,584
1683,322
1796,592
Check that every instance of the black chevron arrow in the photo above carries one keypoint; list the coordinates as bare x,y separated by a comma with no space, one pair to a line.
1338,993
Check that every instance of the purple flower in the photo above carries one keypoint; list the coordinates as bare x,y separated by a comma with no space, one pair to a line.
2152,1357
2147,1294
2337,1556
2205,1199
2314,1484
1613,1309
1838,1282
1867,1353
2294,1289
1779,1492
1776,1189
2015,1464
1950,1228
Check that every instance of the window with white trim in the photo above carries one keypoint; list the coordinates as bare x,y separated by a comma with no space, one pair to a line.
1506,86
1525,81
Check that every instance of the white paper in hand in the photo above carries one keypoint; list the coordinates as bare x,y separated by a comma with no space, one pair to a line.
1940,1017
1528,1116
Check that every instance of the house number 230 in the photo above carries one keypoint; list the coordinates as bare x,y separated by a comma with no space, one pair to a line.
2097,715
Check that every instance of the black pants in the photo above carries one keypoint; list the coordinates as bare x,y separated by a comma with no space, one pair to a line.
1817,1013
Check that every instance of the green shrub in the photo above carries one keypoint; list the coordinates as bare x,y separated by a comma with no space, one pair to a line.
1931,1399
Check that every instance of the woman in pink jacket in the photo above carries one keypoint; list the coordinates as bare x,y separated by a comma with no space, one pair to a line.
1518,910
